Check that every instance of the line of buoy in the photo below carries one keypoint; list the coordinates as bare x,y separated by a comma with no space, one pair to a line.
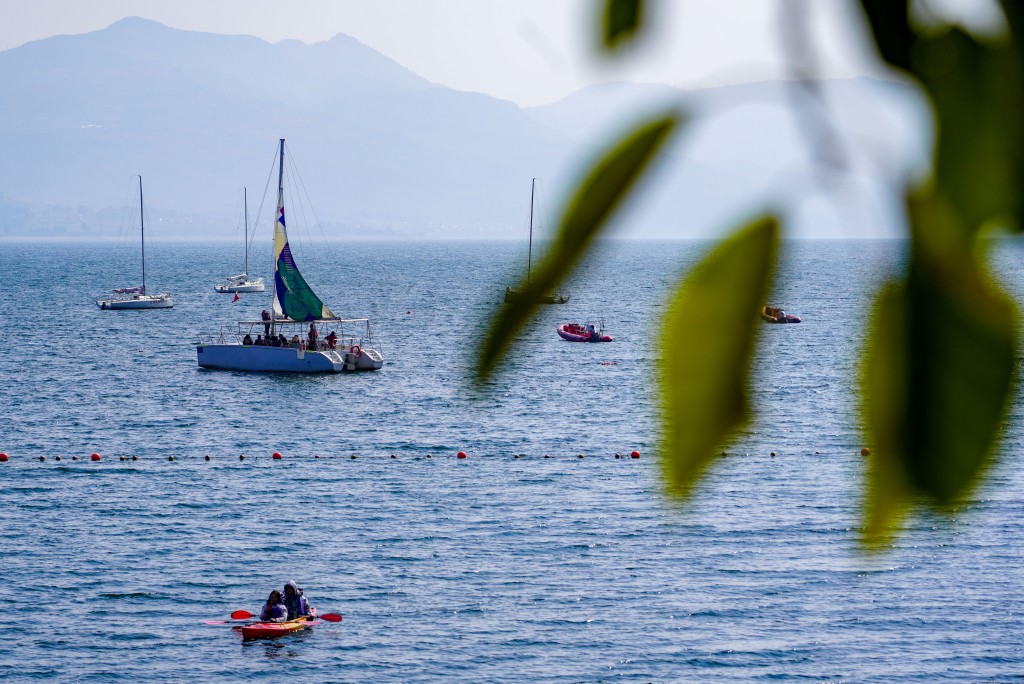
277,456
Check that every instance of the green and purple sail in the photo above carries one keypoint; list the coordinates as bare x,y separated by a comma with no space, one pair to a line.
293,297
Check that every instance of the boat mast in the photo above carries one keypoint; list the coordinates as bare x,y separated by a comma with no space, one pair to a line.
142,224
245,203
529,253
280,204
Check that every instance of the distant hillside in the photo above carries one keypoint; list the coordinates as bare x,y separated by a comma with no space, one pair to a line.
382,152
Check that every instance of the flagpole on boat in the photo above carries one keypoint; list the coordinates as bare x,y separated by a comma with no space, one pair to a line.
142,225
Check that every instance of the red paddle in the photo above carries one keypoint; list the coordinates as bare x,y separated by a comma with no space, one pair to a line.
246,615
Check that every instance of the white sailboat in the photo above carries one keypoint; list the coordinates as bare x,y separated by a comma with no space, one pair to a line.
137,297
241,282
299,334
513,294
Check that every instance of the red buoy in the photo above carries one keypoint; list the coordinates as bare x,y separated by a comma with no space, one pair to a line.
3,457
95,457
635,454
461,454
277,455
865,452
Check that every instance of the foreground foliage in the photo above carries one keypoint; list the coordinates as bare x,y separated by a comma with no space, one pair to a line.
940,364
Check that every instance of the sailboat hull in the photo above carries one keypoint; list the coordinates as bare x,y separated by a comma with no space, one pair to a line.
514,295
239,357
163,301
248,287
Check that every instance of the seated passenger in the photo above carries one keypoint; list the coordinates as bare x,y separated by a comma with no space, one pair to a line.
296,342
247,340
332,340
259,341
274,610
295,603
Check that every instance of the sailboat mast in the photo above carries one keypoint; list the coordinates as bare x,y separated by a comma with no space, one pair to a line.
529,253
245,204
280,204
142,224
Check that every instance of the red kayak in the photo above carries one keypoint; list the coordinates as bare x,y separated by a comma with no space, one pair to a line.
272,630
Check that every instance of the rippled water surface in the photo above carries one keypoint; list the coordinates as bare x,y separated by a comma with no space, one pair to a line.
488,569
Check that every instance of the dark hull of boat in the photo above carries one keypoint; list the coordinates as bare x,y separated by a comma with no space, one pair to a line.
512,296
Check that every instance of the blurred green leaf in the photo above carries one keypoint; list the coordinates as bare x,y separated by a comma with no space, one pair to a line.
621,20
608,183
707,339
938,374
978,92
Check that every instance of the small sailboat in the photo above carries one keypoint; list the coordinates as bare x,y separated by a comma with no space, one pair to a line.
241,282
513,294
137,297
299,334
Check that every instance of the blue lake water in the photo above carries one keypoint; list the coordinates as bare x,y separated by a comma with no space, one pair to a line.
490,568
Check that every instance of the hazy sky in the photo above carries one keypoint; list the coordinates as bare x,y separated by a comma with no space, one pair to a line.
527,51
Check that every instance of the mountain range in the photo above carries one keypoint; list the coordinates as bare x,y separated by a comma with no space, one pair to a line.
381,151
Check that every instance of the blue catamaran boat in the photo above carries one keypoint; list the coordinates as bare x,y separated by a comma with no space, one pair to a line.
299,334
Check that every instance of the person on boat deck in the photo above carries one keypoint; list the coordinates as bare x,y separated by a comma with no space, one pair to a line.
274,610
332,339
312,336
247,339
265,315
260,342
296,342
295,602
281,340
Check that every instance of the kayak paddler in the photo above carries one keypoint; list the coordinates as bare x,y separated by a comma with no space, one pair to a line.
295,603
274,610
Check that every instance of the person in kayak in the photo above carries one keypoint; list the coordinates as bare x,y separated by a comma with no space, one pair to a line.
274,610
295,603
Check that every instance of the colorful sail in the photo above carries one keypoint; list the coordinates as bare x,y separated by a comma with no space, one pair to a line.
293,297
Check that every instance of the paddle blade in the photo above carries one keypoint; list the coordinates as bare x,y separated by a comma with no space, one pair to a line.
241,615
330,617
